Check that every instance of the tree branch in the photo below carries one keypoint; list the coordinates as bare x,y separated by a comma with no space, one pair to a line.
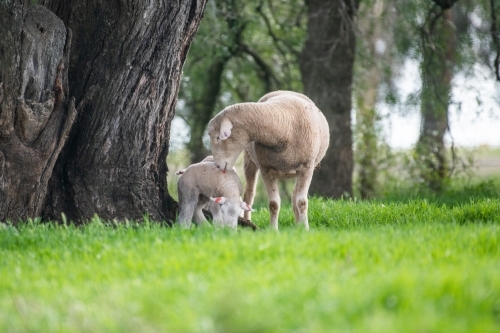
275,38
445,4
266,73
495,35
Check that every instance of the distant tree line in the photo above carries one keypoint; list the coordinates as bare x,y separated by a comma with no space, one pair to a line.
337,52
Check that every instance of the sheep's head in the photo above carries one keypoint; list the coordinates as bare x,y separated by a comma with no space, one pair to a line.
226,143
226,211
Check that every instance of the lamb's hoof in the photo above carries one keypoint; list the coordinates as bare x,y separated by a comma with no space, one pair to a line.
247,223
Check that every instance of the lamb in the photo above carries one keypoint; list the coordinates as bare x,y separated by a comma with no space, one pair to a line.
284,135
209,158
201,184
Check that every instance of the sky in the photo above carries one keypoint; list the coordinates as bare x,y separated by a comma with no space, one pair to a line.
472,123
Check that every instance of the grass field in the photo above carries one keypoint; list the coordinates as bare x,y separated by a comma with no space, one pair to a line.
409,266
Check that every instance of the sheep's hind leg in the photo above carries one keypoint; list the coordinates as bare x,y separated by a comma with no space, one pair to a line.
251,172
273,194
299,199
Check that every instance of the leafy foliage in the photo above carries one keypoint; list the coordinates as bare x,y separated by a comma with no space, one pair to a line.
242,51
254,47
412,37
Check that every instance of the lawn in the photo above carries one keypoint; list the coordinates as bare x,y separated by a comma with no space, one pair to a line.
409,266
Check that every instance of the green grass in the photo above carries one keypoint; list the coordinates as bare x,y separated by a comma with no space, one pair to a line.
482,180
456,193
416,266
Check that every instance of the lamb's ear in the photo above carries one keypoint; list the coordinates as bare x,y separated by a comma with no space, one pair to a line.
246,206
219,200
225,129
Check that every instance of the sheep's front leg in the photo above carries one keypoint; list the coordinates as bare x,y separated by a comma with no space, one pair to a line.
299,198
251,172
273,194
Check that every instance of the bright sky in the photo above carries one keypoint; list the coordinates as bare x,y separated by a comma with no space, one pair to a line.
471,123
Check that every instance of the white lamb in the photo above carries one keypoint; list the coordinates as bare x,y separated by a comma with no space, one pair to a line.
201,184
284,136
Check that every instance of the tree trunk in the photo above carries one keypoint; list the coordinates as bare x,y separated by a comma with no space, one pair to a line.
126,63
437,72
203,107
124,70
366,123
373,29
327,71
36,114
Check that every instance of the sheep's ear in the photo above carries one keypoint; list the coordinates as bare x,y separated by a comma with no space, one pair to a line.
246,206
219,200
225,129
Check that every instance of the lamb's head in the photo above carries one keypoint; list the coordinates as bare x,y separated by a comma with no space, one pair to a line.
225,211
226,141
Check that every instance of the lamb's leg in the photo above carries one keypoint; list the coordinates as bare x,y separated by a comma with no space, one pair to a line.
273,194
199,217
217,219
299,198
251,172
187,204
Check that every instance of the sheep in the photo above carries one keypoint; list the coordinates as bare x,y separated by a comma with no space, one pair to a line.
201,184
284,135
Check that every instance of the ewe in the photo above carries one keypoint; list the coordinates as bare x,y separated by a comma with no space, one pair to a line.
202,183
284,136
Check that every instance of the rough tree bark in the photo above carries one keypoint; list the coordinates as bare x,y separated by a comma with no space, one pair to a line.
327,72
36,114
125,67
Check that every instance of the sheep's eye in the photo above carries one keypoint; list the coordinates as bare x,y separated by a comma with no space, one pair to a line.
217,138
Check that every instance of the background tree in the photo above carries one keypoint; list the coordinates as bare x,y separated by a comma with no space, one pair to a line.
437,69
452,38
495,35
375,68
123,71
326,65
242,51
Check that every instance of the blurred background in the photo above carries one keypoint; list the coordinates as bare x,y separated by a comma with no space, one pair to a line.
416,82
